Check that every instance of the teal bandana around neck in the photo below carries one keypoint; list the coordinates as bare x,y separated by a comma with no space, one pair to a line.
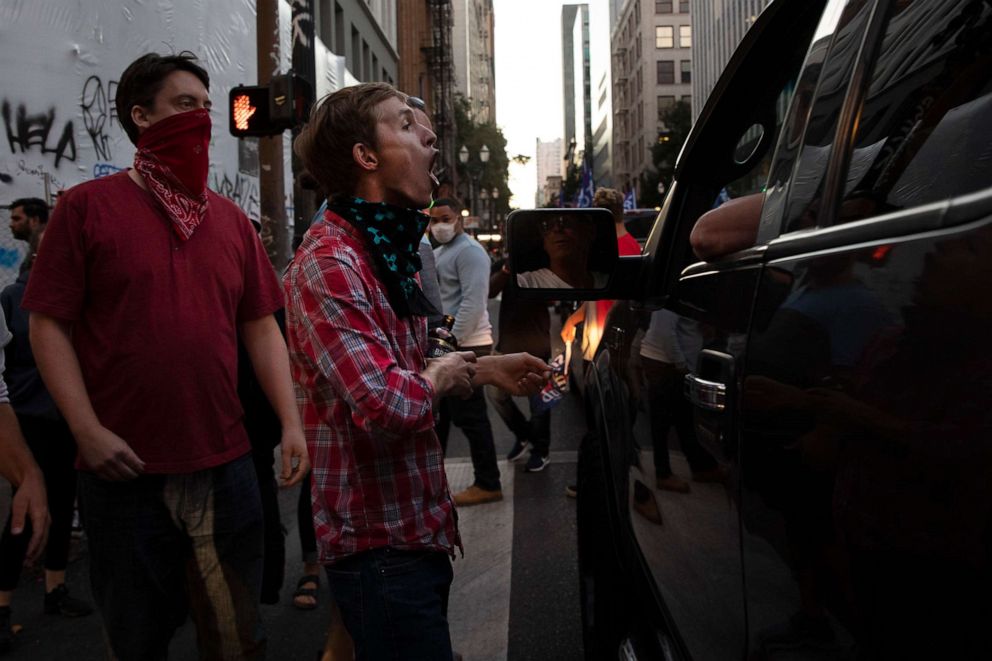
393,237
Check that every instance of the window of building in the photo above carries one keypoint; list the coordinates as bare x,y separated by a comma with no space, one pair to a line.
664,36
683,6
686,71
664,103
356,53
338,29
666,72
685,36
687,98
663,6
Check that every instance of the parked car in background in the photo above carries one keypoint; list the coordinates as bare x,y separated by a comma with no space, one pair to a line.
639,223
842,380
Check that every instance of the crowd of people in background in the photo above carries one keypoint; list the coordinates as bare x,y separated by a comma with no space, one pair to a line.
150,344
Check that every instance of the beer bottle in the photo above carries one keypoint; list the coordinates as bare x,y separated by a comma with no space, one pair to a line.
441,340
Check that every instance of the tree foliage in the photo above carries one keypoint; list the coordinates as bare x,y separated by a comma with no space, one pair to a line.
474,135
674,129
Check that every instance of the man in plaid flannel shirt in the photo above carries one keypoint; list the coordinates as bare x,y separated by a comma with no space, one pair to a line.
356,324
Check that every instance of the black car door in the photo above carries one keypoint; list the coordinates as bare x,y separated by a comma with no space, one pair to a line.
863,398
681,488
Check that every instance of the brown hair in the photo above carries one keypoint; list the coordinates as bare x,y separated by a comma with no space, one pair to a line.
343,119
143,80
609,198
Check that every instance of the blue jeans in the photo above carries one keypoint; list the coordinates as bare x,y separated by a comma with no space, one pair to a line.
162,546
394,603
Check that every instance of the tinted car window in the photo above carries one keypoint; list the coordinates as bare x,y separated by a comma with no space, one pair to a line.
825,78
924,131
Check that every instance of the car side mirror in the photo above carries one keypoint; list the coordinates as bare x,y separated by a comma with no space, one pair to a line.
562,253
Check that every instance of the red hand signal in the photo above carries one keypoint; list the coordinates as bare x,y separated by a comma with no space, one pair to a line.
243,110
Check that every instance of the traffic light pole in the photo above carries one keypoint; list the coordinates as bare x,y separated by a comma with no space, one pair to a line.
304,65
271,184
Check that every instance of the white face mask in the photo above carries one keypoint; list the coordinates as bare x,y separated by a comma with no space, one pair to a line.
443,232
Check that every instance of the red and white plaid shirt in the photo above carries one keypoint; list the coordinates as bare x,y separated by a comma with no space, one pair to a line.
378,469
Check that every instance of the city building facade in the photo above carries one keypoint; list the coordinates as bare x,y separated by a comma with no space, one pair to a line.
549,165
474,61
652,69
363,32
426,70
602,97
576,84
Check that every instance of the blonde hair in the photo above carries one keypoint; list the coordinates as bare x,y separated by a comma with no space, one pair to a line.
609,198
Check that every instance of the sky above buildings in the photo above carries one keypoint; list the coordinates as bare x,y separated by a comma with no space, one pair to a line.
528,83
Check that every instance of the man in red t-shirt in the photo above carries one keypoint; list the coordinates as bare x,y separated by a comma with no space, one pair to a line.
138,295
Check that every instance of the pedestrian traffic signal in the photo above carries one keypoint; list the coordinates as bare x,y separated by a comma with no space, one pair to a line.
249,112
260,110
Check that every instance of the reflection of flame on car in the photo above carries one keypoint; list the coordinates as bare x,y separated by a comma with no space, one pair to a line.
592,335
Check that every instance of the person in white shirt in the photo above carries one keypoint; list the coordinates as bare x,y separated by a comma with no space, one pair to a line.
463,272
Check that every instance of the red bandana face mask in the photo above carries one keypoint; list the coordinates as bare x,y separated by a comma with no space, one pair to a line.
173,159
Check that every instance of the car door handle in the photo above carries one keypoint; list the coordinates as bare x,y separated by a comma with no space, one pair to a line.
707,395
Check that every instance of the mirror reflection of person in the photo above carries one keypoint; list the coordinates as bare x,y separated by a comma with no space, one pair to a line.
568,241
668,351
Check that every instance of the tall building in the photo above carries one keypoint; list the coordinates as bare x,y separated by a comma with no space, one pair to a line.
652,69
719,26
472,47
549,165
363,32
426,68
601,99
577,88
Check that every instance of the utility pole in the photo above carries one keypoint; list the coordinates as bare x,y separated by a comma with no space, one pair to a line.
271,183
304,66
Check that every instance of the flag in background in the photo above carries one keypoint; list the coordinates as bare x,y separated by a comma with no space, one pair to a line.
630,200
586,190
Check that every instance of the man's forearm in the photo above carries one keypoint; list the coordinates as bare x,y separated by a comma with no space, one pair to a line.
270,360
58,364
15,457
497,281
486,368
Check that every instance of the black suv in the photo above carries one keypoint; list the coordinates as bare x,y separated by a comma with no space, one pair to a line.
842,386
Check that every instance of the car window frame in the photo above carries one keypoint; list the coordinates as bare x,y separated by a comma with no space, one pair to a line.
709,147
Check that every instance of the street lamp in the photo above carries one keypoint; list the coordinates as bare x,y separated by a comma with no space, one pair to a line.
475,168
484,207
494,219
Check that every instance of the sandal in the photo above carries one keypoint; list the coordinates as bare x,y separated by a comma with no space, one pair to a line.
306,592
